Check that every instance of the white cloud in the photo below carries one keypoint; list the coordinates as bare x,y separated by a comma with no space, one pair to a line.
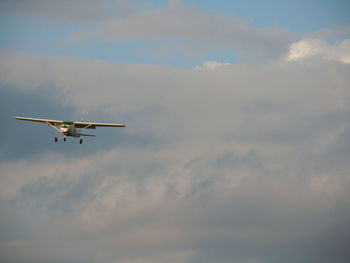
309,48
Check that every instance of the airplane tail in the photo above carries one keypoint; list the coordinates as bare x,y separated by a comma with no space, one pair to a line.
91,135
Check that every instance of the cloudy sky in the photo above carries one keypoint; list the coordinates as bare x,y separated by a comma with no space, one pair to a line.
238,140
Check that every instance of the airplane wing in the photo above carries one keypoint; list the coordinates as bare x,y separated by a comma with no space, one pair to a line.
93,125
52,122
78,124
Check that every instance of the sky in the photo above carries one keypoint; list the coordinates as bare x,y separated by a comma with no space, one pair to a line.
238,140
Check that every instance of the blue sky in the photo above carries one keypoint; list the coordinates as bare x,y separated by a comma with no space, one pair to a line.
238,136
27,31
299,16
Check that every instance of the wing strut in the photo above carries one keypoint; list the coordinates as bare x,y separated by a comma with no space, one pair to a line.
48,123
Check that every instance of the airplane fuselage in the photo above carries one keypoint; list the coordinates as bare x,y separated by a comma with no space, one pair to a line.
68,130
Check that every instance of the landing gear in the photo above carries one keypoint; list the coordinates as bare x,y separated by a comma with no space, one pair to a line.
65,139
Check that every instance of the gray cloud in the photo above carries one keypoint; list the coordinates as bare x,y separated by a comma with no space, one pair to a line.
198,29
243,163
47,102
43,102
69,12
195,30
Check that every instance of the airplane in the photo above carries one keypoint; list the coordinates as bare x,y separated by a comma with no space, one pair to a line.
71,128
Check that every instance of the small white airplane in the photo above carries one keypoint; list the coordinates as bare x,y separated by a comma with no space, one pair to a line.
71,128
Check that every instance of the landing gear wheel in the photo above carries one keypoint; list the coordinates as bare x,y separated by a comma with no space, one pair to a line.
81,141
64,139
56,139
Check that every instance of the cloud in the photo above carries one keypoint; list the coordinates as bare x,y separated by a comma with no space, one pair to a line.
239,162
69,12
41,102
309,48
177,20
330,34
194,30
224,162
